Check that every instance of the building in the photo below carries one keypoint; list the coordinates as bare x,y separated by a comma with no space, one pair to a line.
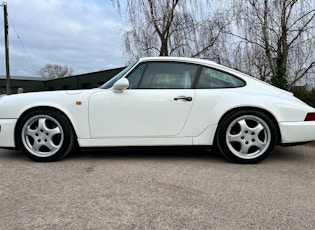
35,84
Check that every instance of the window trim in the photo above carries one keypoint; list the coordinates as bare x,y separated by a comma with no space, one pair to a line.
134,69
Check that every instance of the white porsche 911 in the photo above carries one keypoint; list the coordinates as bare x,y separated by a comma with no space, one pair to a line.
160,101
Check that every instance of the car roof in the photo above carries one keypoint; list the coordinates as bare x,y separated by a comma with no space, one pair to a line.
198,61
179,59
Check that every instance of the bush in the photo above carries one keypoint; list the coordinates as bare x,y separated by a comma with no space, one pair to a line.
303,94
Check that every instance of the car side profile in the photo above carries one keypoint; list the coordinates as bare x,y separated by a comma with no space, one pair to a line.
160,101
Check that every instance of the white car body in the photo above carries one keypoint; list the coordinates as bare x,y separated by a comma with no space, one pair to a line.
145,117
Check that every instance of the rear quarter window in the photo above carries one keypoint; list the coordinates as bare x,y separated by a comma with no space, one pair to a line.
212,78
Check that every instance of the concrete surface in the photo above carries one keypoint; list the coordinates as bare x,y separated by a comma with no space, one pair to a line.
158,190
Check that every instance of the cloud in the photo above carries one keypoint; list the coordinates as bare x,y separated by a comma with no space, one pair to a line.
84,35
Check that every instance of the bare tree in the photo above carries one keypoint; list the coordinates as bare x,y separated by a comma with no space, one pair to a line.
54,71
171,28
280,33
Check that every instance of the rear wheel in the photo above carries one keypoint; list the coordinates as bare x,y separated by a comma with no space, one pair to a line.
246,136
45,135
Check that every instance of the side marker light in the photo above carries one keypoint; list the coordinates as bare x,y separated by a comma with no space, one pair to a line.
78,102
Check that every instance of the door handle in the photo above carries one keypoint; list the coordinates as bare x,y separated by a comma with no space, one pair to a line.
183,98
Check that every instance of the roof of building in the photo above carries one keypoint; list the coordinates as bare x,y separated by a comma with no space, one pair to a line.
38,78
28,78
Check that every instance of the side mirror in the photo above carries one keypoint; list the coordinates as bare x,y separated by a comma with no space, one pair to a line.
121,85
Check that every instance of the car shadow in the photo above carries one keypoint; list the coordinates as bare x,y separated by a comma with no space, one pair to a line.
126,153
16,155
282,154
149,153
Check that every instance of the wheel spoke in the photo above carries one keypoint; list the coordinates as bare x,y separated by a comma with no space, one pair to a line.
53,131
244,148
259,144
51,146
242,123
238,136
30,132
255,134
36,146
41,123
257,129
234,137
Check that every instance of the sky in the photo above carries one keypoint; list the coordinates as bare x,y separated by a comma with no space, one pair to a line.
82,34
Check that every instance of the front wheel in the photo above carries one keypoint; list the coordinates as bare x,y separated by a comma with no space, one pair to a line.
45,135
246,136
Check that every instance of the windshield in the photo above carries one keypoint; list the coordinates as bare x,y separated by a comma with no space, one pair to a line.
112,81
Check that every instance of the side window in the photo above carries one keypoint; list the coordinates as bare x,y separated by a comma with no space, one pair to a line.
135,76
168,75
211,78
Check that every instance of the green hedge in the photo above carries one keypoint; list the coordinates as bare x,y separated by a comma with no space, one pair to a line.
303,94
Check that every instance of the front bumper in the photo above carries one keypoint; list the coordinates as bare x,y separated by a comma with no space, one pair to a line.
295,132
7,127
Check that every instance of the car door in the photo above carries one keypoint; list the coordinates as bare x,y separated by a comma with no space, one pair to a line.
156,104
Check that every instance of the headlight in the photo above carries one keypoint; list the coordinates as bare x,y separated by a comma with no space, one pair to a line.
2,95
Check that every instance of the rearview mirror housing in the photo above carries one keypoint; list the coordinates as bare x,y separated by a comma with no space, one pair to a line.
121,85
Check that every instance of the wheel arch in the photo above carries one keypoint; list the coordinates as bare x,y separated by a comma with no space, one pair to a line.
266,112
43,108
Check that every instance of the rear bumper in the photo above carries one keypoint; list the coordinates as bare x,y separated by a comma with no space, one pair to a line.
297,132
7,127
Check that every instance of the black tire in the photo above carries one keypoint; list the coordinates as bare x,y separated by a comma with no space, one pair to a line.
246,136
45,135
